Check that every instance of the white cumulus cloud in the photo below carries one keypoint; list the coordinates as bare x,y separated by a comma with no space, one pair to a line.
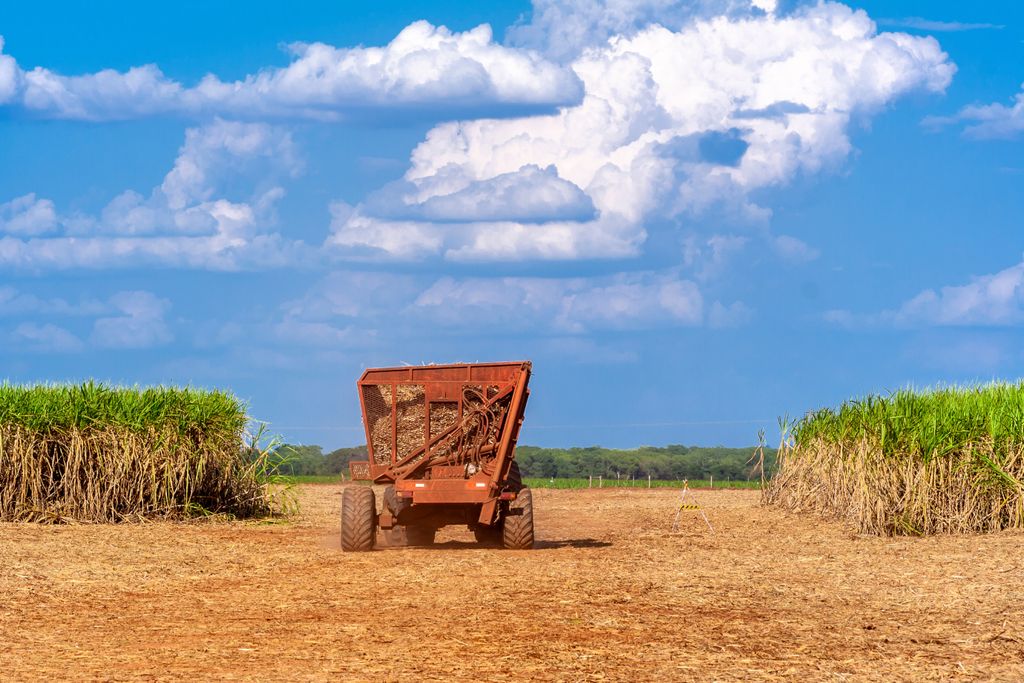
10,76
996,300
182,223
987,121
530,194
27,215
425,68
675,121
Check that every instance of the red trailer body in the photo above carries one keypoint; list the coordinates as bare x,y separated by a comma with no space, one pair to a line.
441,439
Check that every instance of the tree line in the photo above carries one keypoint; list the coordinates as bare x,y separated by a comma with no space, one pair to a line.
303,460
670,462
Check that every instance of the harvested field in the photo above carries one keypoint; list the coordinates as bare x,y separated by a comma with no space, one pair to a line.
609,593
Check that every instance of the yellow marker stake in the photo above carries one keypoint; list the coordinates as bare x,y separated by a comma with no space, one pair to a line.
691,505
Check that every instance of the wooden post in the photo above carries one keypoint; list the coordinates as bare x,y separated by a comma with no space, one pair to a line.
712,481
600,481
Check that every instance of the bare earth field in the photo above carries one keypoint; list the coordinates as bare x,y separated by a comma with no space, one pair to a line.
609,594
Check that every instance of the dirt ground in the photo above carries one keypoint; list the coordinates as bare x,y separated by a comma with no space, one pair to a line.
610,593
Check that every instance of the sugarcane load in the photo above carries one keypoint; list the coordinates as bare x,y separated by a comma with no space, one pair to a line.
441,441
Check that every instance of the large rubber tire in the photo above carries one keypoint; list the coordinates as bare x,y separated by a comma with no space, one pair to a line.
358,518
420,535
515,477
393,503
517,531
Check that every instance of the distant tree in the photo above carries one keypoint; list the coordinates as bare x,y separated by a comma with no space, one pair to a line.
674,461
295,459
337,460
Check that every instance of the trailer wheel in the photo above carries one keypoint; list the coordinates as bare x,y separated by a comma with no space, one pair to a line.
420,535
358,518
515,477
517,531
393,503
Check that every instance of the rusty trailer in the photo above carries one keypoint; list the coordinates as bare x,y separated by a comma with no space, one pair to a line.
441,442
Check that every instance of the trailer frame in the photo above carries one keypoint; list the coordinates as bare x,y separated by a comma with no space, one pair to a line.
437,483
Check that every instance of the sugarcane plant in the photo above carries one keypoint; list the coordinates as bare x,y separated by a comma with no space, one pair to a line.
94,452
943,460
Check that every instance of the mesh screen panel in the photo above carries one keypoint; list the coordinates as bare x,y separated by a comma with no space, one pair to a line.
403,406
377,400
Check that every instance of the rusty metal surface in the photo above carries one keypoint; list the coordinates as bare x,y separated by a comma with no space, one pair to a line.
445,434
359,470
448,472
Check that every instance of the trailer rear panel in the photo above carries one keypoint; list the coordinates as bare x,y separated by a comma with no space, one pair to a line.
442,439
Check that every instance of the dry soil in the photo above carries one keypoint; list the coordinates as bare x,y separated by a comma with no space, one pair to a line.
610,593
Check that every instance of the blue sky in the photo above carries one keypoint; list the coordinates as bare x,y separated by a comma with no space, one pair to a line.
692,216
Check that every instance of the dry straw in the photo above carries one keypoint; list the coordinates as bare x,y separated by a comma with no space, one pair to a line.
96,453
948,460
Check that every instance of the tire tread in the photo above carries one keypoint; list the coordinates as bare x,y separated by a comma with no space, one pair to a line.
358,518
517,530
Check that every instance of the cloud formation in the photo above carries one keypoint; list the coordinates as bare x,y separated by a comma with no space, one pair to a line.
673,115
624,301
45,338
987,121
674,123
393,303
564,29
16,303
931,25
995,300
182,223
27,215
987,300
126,320
425,68
527,195
139,323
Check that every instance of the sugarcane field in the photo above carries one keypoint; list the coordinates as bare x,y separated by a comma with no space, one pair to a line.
145,539
526,340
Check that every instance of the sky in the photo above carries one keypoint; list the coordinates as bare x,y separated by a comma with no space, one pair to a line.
693,217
